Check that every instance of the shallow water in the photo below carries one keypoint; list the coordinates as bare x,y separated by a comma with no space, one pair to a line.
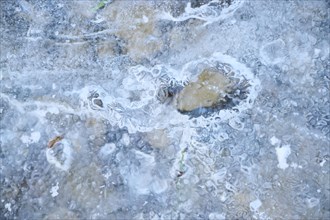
89,129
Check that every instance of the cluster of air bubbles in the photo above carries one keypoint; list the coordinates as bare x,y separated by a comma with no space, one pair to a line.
319,119
95,101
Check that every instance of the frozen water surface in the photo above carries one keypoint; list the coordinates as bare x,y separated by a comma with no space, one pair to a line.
89,121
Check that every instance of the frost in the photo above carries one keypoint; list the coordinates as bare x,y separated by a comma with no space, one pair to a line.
8,206
274,141
34,137
295,166
107,149
283,153
255,205
209,12
54,190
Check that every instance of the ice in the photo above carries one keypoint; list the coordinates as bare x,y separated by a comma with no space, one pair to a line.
125,139
90,128
217,216
312,202
274,52
66,157
222,136
140,178
236,123
107,149
275,141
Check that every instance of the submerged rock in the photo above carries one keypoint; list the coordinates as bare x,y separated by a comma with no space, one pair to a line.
136,26
209,90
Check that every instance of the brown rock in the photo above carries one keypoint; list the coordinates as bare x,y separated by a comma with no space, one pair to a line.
137,26
209,90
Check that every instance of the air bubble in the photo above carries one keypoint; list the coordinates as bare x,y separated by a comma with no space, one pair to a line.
236,123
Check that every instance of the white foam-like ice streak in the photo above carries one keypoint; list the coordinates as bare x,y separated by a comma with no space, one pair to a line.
148,115
157,73
43,107
208,12
131,100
